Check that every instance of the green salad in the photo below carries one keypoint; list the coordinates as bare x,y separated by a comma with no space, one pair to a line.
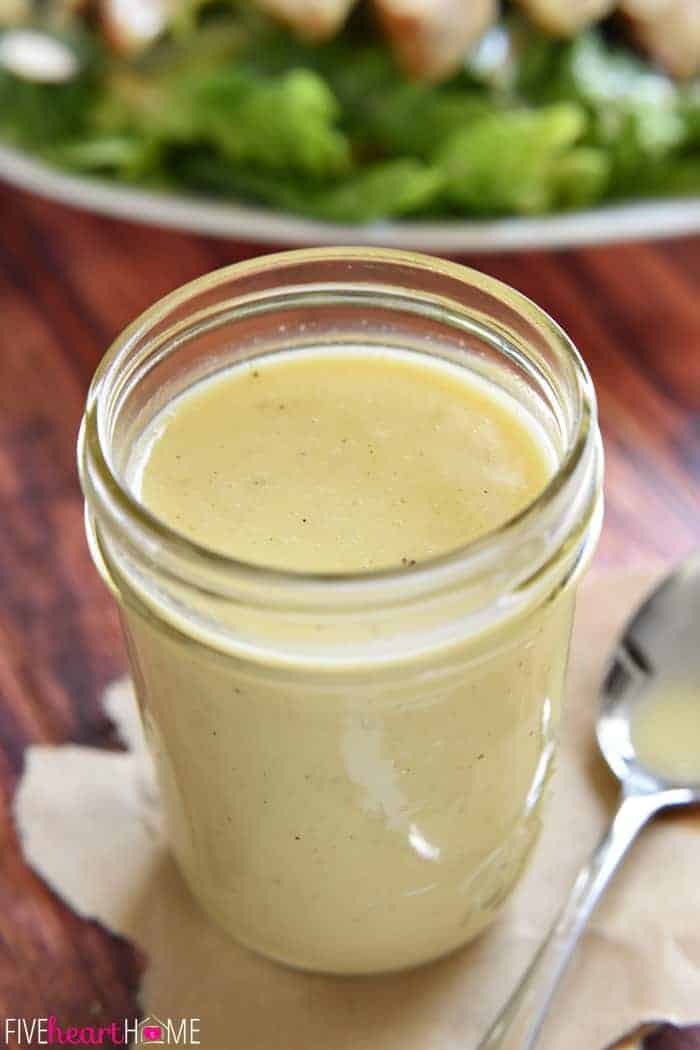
230,104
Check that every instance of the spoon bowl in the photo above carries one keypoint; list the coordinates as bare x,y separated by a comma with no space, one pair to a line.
659,648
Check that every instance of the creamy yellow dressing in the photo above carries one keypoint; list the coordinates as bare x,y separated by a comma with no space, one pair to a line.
342,461
666,731
371,818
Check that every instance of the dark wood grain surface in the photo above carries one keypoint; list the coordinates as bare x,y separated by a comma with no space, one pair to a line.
70,281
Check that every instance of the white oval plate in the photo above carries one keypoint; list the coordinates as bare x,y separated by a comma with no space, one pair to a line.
618,222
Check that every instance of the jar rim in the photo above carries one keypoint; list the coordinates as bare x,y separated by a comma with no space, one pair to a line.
105,489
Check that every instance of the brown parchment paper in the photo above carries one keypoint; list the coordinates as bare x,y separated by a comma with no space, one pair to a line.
90,825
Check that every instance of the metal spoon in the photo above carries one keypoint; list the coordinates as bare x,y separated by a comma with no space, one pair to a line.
660,642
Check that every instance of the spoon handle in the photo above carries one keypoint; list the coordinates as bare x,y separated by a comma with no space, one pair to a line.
519,1024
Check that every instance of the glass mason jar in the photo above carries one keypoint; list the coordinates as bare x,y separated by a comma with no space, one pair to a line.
352,766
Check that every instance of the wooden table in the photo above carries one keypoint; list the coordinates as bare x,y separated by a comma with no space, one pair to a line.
70,283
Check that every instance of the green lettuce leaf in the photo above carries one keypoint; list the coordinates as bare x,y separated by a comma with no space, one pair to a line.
384,189
523,161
